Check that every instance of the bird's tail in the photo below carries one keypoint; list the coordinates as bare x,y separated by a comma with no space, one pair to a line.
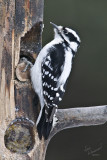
44,127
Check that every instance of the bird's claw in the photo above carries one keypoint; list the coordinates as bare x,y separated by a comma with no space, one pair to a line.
28,64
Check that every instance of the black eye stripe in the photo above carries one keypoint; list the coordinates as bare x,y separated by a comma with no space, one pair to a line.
70,36
65,31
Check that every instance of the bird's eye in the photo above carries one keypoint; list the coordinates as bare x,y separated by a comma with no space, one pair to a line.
65,31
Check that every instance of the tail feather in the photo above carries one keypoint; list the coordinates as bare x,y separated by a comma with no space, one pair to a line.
44,127
47,129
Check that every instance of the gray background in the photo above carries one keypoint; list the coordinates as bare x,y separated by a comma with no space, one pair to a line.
87,84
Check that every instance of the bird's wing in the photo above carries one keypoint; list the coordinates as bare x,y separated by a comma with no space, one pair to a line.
52,68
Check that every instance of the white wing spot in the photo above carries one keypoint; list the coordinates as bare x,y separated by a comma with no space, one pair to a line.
60,99
43,70
46,72
48,58
57,94
48,96
55,89
51,98
52,77
49,74
44,92
48,86
55,79
44,84
52,88
46,63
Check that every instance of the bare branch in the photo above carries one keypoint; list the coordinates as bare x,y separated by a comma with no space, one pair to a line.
76,117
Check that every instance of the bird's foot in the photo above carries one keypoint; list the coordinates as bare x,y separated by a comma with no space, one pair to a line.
27,62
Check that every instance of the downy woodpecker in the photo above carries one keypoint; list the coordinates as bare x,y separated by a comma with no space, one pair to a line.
50,73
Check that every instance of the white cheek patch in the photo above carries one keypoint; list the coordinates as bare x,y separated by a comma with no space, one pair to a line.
74,46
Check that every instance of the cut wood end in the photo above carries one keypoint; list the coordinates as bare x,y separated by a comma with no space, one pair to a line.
20,136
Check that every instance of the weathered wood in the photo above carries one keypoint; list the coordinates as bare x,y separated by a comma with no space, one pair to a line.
7,103
20,35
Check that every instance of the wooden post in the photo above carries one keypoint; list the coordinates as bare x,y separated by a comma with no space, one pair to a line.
21,25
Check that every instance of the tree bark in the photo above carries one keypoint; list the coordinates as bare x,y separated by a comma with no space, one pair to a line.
21,25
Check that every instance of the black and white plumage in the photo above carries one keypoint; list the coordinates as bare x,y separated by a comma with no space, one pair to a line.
50,73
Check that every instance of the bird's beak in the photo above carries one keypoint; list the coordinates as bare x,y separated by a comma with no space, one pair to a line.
54,25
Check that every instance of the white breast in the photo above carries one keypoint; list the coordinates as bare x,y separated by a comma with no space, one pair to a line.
36,76
67,67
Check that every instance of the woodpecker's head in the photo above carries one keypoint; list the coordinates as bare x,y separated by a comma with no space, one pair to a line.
68,35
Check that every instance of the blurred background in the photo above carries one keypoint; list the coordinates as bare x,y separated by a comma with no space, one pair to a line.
87,85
